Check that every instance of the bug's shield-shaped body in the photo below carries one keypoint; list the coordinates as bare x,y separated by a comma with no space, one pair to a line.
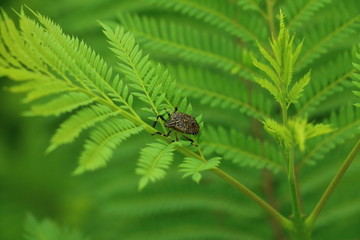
183,123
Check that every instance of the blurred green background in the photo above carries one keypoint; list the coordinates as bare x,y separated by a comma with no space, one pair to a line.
105,204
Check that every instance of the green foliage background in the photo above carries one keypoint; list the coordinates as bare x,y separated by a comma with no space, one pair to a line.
106,204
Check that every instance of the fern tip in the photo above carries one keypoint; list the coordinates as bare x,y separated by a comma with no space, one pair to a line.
78,171
142,183
50,149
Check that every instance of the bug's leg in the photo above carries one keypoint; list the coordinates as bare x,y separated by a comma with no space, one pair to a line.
189,139
159,133
169,115
168,134
157,118
176,137
176,109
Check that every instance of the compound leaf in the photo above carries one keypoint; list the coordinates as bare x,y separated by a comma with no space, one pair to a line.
193,167
154,161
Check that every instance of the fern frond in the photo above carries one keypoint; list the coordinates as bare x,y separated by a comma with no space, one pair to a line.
193,166
340,23
51,57
64,103
279,72
225,16
298,88
47,229
210,89
346,122
153,162
84,79
272,89
102,143
251,5
357,75
242,150
75,124
151,83
333,77
42,90
300,11
188,43
163,203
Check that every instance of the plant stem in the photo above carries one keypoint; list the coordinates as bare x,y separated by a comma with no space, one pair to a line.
268,185
250,194
295,198
319,206
300,231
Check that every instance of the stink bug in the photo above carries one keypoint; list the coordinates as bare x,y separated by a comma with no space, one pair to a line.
179,122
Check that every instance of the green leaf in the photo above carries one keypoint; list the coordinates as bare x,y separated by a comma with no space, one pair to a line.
210,90
48,230
302,130
227,17
347,124
273,76
193,167
102,143
151,83
329,79
357,76
280,70
297,89
241,148
188,44
278,131
64,103
318,130
154,161
78,122
270,87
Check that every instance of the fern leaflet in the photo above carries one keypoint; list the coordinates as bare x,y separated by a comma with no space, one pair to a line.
338,24
103,140
46,229
210,89
347,122
153,162
242,150
189,44
221,14
300,11
152,84
331,78
357,75
193,166
64,103
75,124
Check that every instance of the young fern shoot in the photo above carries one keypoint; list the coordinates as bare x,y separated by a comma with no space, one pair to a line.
279,82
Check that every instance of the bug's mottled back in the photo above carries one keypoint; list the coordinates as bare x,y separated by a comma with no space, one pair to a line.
183,123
